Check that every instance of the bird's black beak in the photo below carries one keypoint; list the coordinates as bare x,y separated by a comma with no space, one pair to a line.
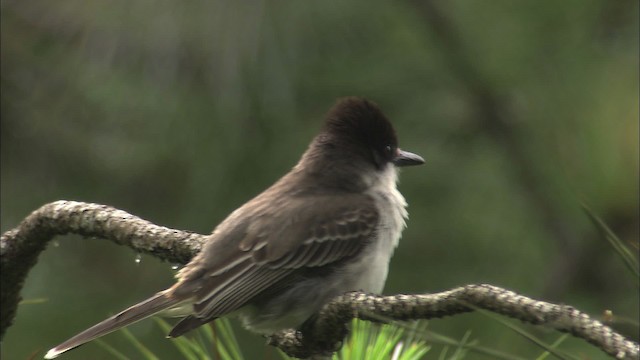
405,158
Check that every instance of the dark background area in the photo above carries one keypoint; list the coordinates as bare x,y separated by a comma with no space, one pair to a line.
179,112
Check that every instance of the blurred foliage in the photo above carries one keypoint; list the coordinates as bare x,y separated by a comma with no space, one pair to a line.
368,341
181,111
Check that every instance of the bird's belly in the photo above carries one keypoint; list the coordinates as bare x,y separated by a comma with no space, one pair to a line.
291,308
368,273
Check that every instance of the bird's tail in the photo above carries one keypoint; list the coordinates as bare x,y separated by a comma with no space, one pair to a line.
142,310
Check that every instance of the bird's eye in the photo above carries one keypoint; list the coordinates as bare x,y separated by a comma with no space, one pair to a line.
388,149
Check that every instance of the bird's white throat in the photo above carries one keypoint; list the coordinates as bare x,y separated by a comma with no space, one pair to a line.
382,186
373,266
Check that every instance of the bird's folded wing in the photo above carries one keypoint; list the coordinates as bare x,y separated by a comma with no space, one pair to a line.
265,255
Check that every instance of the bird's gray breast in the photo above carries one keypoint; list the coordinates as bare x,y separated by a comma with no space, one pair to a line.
368,272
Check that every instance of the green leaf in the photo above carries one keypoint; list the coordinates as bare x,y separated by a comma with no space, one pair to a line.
621,249
148,354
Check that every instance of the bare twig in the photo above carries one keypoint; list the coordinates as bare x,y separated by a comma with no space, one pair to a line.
20,247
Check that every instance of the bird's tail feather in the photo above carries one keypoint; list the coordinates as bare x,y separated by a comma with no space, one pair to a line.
142,310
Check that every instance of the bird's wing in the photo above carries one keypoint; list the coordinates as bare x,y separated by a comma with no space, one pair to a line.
269,246
315,234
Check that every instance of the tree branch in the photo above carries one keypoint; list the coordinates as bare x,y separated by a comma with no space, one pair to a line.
20,247
325,335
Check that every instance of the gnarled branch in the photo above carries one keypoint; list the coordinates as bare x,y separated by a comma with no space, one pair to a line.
329,328
20,247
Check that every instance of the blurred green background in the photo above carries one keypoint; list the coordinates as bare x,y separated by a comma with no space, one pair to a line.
180,111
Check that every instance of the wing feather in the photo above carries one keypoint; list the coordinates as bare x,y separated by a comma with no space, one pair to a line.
235,295
261,257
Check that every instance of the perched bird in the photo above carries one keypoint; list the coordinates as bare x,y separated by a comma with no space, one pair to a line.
327,227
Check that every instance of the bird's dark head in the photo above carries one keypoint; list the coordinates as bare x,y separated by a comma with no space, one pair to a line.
358,126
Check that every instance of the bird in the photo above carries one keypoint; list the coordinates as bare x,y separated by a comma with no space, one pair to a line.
327,227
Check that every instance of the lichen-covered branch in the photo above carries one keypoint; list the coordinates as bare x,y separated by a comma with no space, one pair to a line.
325,335
20,247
